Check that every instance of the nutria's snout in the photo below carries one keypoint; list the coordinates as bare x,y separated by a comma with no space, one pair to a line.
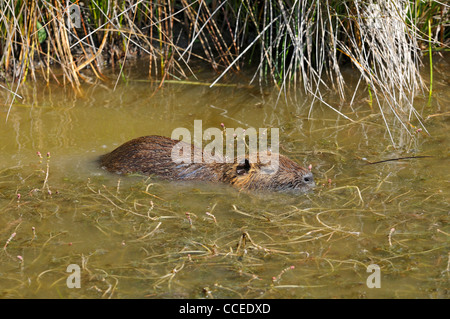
153,155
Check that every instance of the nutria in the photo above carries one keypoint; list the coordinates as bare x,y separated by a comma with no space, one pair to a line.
152,155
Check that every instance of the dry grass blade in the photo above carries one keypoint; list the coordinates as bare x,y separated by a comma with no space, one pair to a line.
304,43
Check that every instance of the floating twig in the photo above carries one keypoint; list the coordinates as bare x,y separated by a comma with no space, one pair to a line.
399,158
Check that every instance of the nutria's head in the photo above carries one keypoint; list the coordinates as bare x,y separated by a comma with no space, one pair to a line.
284,176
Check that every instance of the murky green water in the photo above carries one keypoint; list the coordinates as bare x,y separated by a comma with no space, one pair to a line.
131,236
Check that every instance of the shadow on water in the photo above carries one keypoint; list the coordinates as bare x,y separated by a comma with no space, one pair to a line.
137,236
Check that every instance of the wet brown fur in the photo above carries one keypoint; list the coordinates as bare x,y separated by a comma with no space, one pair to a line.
151,155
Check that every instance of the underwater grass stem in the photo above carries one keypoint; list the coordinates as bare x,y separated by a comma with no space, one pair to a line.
430,53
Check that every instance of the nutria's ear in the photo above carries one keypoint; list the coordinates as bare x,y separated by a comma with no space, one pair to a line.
243,168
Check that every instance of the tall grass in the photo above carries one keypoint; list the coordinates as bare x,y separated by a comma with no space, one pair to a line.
293,44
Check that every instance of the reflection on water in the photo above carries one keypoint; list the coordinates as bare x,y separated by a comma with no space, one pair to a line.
135,236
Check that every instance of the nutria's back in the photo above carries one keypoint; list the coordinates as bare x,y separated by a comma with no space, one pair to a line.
153,155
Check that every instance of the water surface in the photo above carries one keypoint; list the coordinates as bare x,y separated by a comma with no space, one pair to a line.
140,237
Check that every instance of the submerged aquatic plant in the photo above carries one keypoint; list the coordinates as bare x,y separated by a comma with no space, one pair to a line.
293,44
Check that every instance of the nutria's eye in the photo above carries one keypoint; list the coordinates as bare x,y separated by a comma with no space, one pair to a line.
308,179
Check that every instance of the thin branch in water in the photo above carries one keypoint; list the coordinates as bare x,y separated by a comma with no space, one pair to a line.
400,158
